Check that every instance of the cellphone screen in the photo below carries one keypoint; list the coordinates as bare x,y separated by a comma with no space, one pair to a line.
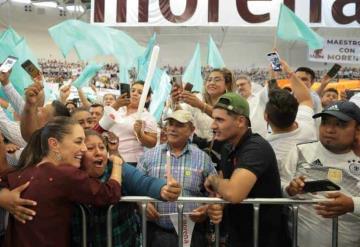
320,185
188,87
274,59
8,64
334,70
125,88
30,68
176,80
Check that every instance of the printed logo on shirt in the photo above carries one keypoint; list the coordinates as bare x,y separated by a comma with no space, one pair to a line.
333,108
354,167
316,163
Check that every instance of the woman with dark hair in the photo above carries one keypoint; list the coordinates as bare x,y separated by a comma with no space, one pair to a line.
134,134
218,82
125,227
51,163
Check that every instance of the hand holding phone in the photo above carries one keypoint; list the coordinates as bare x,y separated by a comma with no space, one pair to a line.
334,70
31,69
7,65
188,87
125,88
320,185
274,60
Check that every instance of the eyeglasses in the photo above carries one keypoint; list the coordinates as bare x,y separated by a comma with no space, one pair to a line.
215,80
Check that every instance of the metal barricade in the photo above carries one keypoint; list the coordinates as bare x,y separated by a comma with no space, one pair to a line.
256,205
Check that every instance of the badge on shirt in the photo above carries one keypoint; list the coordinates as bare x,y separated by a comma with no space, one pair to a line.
335,175
187,173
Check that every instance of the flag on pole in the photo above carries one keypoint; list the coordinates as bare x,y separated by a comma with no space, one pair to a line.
214,57
291,27
192,73
160,96
88,73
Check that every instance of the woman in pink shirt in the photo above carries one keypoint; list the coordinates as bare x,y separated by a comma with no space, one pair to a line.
134,134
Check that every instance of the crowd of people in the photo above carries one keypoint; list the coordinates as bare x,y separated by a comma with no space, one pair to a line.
236,139
58,71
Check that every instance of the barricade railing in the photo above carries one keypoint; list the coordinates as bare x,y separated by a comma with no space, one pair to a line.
294,204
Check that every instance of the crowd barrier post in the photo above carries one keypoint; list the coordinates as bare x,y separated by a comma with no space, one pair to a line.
109,226
335,225
84,227
256,218
143,223
295,211
180,210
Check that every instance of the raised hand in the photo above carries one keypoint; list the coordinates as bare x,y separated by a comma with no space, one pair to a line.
172,189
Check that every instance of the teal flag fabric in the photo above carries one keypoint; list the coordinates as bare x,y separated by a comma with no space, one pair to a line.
124,74
160,95
90,41
291,27
214,58
88,73
192,73
144,59
13,44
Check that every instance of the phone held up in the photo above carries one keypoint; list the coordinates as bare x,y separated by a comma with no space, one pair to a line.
125,88
334,70
31,69
320,185
7,65
274,60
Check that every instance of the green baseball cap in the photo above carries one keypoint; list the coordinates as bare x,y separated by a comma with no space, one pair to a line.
235,103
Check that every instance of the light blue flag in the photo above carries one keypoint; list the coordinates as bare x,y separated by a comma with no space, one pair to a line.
90,41
9,36
144,59
124,74
86,75
291,27
192,73
11,44
214,58
160,96
49,93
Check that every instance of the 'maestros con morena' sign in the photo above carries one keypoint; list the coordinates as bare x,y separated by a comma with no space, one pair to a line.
329,13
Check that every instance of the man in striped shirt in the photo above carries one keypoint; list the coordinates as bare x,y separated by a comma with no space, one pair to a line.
190,166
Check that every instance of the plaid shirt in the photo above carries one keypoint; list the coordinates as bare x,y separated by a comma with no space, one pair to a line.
125,227
190,169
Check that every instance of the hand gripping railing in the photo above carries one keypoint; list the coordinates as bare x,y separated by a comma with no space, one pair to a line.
256,205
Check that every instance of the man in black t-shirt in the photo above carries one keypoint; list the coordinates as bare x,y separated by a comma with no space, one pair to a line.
249,170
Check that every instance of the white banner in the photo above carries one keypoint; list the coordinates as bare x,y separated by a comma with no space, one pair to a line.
337,50
188,228
317,13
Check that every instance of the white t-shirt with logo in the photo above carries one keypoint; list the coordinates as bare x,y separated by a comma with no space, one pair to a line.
282,143
315,162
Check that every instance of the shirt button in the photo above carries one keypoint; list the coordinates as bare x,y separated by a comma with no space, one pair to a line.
19,176
51,179
32,178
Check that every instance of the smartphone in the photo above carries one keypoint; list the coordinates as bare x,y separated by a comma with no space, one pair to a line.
176,80
334,70
320,185
31,69
125,88
188,87
350,93
8,64
274,59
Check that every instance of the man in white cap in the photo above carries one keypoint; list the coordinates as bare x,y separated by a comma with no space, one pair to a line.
189,166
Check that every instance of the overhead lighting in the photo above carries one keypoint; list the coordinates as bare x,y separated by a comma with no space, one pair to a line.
22,1
45,4
73,8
